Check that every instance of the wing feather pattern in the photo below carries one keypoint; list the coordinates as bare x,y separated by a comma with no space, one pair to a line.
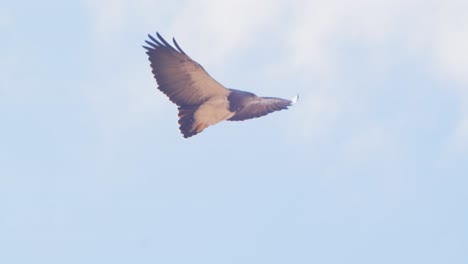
182,79
260,106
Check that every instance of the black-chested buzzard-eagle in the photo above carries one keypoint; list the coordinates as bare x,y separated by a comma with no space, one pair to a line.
201,100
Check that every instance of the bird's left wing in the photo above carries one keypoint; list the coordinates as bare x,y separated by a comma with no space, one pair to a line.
260,106
182,79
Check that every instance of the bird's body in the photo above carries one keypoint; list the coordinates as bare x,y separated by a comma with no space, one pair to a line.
201,100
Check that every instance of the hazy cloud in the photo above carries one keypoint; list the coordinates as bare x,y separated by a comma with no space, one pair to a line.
315,115
224,27
451,61
414,29
108,15
451,40
313,32
318,26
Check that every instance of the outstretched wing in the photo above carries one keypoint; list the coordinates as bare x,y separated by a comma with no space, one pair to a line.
182,79
260,106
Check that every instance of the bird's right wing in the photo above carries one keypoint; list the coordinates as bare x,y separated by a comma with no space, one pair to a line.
182,79
260,106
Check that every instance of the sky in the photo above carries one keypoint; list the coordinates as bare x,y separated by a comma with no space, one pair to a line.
370,166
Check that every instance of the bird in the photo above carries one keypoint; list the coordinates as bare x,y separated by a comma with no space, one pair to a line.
201,100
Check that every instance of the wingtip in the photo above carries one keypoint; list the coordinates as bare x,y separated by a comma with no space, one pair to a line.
295,99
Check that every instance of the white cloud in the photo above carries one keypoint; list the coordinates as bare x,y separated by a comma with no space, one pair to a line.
320,27
313,31
451,41
223,27
433,33
314,28
108,15
111,17
435,29
310,37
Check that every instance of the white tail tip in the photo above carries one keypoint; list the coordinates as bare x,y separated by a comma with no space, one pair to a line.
295,99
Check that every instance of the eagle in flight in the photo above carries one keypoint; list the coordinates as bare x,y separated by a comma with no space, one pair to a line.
201,100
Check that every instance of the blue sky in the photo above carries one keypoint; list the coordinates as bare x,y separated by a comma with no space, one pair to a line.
369,167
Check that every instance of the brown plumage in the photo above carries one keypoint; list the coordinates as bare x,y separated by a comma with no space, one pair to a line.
202,101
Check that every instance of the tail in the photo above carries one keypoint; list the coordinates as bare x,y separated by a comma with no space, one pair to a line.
186,120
